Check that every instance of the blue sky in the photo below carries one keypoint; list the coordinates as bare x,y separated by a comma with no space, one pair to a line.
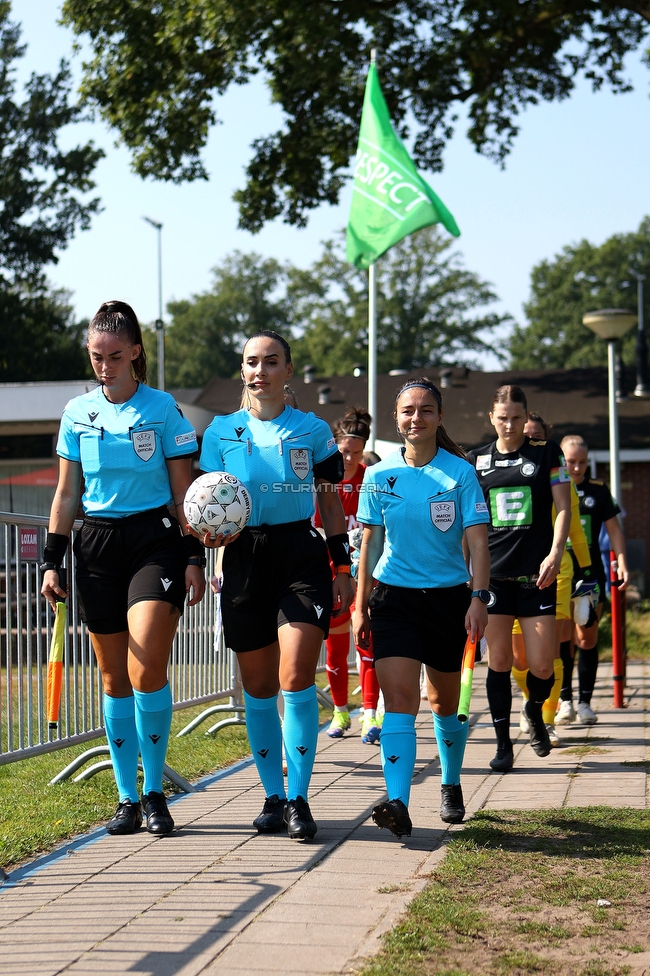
579,169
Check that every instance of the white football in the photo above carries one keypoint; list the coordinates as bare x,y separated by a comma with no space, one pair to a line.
217,503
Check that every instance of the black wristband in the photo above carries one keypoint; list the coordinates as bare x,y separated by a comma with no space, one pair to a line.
197,561
339,547
193,546
56,546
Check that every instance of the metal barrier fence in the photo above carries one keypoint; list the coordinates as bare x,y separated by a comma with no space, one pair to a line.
202,669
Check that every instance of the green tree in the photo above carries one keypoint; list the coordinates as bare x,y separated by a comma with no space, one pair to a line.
582,278
429,309
39,337
43,201
42,187
207,332
156,69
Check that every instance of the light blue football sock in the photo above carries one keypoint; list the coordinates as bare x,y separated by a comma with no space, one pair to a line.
153,719
119,721
300,731
398,747
265,737
451,736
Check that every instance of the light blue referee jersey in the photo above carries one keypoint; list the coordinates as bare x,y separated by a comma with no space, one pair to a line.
273,458
424,512
122,448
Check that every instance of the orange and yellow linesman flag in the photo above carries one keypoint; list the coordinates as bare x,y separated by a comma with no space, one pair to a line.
466,678
55,664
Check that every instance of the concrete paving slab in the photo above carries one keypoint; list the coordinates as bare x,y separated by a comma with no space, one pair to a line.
218,898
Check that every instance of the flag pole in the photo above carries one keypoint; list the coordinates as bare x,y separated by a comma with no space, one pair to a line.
372,353
372,335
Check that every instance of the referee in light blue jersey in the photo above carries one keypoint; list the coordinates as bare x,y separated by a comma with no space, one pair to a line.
278,593
133,448
418,507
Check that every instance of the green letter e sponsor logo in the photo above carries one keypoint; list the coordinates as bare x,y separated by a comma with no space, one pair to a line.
511,506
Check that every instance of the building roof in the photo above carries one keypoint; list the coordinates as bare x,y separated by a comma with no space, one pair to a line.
573,401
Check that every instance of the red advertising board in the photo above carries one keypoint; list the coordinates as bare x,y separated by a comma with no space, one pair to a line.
28,543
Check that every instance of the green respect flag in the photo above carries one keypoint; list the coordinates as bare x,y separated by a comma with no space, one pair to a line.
390,199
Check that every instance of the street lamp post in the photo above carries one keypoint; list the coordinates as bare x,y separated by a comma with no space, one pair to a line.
611,324
160,325
642,389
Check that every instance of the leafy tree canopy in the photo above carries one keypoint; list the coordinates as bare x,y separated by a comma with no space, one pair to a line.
208,331
42,186
39,337
43,201
429,308
583,278
156,69
430,312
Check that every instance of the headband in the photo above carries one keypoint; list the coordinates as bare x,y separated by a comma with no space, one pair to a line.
359,432
423,386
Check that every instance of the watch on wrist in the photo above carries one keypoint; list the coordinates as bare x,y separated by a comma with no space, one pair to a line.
197,561
484,595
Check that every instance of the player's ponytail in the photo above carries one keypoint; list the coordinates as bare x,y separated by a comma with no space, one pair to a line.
119,319
355,423
443,439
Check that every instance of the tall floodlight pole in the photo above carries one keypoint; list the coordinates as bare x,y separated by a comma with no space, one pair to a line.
642,389
160,325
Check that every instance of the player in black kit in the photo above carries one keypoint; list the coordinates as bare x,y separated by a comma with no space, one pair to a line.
596,507
521,479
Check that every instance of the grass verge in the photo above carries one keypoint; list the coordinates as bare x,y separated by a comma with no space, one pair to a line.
35,816
518,895
638,633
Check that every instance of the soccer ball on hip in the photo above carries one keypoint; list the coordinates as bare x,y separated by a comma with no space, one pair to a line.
217,503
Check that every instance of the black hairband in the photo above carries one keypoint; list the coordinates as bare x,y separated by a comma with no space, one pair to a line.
423,386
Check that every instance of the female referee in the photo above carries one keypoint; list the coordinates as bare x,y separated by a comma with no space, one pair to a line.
278,594
416,506
521,480
132,447
351,433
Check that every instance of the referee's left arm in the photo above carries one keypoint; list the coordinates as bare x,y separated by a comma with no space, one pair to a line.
179,471
333,519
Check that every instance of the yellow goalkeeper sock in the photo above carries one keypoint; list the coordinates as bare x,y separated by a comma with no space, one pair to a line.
550,705
520,678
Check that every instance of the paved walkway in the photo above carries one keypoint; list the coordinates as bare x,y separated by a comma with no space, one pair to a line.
217,899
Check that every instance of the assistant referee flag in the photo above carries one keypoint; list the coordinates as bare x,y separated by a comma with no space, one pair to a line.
390,198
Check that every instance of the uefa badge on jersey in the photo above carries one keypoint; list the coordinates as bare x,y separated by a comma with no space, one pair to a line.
299,460
144,443
443,514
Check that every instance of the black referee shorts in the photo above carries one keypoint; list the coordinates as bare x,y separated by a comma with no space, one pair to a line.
128,560
424,625
273,575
